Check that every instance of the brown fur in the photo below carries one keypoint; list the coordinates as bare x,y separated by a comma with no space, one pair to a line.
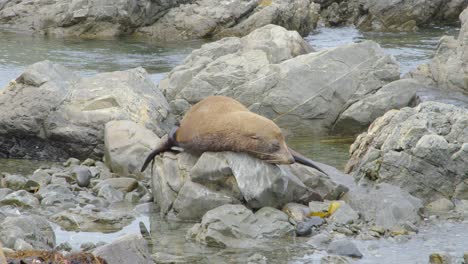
220,123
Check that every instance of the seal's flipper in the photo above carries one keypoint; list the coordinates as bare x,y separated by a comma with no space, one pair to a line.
165,146
299,158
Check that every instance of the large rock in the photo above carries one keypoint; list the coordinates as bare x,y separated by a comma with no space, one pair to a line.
49,113
32,229
236,226
448,69
424,150
131,248
186,186
87,19
305,94
404,15
385,205
126,145
395,95
211,18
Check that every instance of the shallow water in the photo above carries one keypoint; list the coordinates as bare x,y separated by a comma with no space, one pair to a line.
409,48
88,57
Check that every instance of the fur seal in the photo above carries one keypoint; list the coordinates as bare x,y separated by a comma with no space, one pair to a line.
220,123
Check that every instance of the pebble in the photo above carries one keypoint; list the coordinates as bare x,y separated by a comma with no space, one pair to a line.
82,176
344,247
305,228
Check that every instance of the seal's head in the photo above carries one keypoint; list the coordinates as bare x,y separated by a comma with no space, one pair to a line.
263,139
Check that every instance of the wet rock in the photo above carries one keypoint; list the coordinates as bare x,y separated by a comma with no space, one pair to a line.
82,175
440,258
291,90
88,220
126,146
344,247
305,228
14,182
344,214
121,184
296,212
20,244
32,229
320,241
57,195
127,249
71,162
65,118
64,247
110,193
208,18
4,192
85,198
257,259
20,198
385,205
236,226
132,197
41,177
87,246
332,259
439,207
88,162
401,146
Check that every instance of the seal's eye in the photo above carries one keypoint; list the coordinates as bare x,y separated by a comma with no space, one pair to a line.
275,146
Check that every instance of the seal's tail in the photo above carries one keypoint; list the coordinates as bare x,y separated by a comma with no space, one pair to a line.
166,145
299,158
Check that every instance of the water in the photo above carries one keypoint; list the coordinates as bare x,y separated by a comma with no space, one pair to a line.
410,49
88,57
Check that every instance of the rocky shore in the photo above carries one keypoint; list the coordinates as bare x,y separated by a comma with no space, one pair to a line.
195,19
408,167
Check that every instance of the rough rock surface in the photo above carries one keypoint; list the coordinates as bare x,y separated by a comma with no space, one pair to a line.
187,186
391,15
449,68
32,229
126,145
50,113
211,18
161,20
126,249
87,19
385,205
236,226
424,150
305,94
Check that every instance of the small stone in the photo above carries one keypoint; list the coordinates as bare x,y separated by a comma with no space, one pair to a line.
465,257
20,198
398,232
319,241
123,184
378,229
344,247
110,193
71,162
440,258
87,246
333,259
343,230
20,244
64,247
88,162
257,259
82,176
439,207
41,177
305,228
132,197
